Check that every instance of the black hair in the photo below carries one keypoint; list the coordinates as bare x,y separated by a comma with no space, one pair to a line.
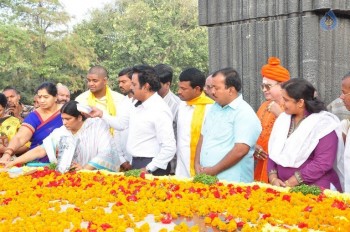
232,78
147,74
126,71
164,72
298,88
3,100
98,70
194,76
11,88
71,109
50,88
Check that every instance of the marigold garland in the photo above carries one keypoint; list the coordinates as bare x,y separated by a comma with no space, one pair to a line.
98,201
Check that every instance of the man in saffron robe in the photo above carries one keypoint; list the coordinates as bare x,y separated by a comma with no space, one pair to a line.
272,75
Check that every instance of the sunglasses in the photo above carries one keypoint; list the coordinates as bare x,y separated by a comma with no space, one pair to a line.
267,86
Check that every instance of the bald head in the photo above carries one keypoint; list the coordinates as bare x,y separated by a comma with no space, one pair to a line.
63,94
208,86
99,70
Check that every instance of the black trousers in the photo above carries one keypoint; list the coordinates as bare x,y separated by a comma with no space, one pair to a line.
141,162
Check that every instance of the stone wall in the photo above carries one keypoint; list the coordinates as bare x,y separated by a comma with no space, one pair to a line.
244,33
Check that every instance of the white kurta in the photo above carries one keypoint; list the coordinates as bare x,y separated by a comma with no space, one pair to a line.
183,152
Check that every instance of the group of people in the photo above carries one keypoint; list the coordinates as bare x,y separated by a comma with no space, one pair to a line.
301,142
207,127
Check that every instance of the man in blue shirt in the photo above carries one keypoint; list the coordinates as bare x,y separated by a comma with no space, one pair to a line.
229,133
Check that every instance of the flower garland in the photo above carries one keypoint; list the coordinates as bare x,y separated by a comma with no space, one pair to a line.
96,201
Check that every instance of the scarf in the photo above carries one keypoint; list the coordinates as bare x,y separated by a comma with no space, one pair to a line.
196,124
294,150
109,100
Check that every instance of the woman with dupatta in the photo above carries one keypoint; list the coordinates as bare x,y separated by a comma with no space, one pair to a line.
81,144
273,74
306,143
39,123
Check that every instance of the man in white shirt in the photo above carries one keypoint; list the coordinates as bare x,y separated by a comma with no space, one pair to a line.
151,140
124,82
191,116
99,93
165,74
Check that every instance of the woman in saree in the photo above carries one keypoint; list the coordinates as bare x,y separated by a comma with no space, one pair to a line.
92,148
38,124
306,144
9,126
273,75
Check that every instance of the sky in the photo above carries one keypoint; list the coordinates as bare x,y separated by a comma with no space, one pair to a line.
80,8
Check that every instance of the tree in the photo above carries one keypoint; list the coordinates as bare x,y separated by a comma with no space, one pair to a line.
127,32
50,52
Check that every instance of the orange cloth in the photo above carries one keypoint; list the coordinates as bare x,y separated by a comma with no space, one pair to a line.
267,120
274,71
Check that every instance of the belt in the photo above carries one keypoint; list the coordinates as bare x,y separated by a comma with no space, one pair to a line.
142,158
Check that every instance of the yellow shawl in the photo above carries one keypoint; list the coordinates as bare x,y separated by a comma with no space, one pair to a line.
196,124
111,109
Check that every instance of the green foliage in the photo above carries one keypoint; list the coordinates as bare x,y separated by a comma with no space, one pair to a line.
205,179
147,32
52,166
307,189
134,172
36,44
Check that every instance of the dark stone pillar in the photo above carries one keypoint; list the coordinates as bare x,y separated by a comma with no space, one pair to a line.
244,33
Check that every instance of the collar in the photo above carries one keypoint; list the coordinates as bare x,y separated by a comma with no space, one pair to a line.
236,102
150,100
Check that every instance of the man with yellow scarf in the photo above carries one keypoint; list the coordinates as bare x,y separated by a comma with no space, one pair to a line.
99,94
191,116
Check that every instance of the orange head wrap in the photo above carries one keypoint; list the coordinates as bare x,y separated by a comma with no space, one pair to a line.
274,71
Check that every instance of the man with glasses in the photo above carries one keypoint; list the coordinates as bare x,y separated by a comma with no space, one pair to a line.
273,74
